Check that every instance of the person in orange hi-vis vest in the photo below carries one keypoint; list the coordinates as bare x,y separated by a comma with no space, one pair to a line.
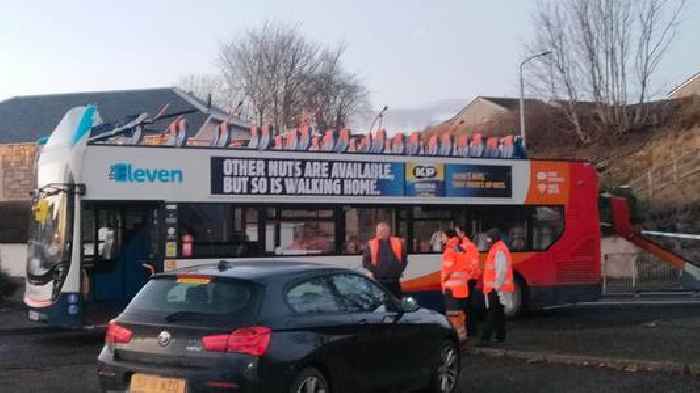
454,283
473,269
385,257
498,287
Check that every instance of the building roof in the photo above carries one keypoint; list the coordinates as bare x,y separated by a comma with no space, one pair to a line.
511,104
27,118
684,84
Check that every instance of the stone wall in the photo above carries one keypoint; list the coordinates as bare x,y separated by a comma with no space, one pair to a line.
16,171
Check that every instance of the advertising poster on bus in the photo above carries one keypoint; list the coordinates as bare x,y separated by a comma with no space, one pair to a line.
478,181
247,176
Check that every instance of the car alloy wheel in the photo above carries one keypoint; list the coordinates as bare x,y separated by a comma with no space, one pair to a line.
448,371
310,381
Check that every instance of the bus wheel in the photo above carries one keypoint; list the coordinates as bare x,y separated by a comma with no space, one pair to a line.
516,308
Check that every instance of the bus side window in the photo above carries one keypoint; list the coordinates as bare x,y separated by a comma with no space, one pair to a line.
548,225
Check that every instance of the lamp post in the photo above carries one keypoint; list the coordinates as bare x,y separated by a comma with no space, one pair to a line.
522,91
380,115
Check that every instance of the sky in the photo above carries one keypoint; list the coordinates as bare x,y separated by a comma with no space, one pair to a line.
409,53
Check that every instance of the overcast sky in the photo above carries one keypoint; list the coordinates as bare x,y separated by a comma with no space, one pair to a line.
409,53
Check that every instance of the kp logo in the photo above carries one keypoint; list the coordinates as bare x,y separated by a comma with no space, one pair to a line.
423,172
123,172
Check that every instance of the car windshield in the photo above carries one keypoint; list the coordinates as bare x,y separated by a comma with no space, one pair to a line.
198,299
48,229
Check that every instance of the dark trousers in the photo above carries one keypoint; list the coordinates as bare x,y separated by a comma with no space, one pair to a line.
472,308
495,319
393,285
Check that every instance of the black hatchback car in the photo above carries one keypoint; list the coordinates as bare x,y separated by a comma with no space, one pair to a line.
275,326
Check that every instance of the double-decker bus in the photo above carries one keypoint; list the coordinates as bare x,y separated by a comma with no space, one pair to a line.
110,212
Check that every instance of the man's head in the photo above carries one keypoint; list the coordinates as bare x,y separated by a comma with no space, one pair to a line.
460,231
451,234
493,235
383,230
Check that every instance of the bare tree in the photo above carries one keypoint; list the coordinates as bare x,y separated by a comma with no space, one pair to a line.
270,64
204,85
331,94
604,57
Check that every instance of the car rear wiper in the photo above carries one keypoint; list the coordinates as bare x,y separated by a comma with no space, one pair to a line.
189,315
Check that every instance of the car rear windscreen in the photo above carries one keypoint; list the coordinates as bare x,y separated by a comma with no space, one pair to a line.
197,300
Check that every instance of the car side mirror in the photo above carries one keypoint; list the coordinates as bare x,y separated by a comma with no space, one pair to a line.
409,304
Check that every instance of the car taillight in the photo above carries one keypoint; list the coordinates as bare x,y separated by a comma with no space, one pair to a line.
251,340
118,334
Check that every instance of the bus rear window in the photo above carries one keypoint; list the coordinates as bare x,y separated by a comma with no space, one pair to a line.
196,299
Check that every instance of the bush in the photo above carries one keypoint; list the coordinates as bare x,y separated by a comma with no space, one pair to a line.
7,286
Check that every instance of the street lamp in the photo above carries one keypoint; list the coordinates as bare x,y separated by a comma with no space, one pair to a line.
379,116
522,91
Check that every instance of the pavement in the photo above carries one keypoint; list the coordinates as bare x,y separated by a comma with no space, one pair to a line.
661,333
36,359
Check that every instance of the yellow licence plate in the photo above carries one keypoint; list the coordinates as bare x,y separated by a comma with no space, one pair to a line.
143,383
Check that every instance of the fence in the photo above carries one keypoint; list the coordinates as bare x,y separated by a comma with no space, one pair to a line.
630,273
659,177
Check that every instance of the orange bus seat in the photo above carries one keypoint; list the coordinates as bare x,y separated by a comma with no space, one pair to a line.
265,138
462,146
446,142
491,148
315,143
328,141
413,147
506,148
398,144
343,141
365,143
476,147
378,141
304,138
254,137
433,146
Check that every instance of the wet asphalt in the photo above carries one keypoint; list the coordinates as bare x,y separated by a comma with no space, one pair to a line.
41,360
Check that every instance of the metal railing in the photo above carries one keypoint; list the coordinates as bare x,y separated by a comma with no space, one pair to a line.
631,273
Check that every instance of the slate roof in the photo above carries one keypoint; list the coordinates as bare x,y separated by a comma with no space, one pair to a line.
27,118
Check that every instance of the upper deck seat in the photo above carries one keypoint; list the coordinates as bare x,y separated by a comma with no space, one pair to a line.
254,137
414,144
433,146
461,146
278,142
492,148
315,143
343,143
353,144
446,144
291,139
365,143
378,142
519,148
506,147
177,132
476,147
304,136
398,144
265,138
328,141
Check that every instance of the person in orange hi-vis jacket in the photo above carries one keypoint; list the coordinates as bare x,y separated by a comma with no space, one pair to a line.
498,287
472,266
385,257
454,283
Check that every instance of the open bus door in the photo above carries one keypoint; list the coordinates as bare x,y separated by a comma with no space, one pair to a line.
121,249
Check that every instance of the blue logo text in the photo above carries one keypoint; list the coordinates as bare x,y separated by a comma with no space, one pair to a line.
122,172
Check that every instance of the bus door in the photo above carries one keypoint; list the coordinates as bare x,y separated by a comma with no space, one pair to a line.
121,249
